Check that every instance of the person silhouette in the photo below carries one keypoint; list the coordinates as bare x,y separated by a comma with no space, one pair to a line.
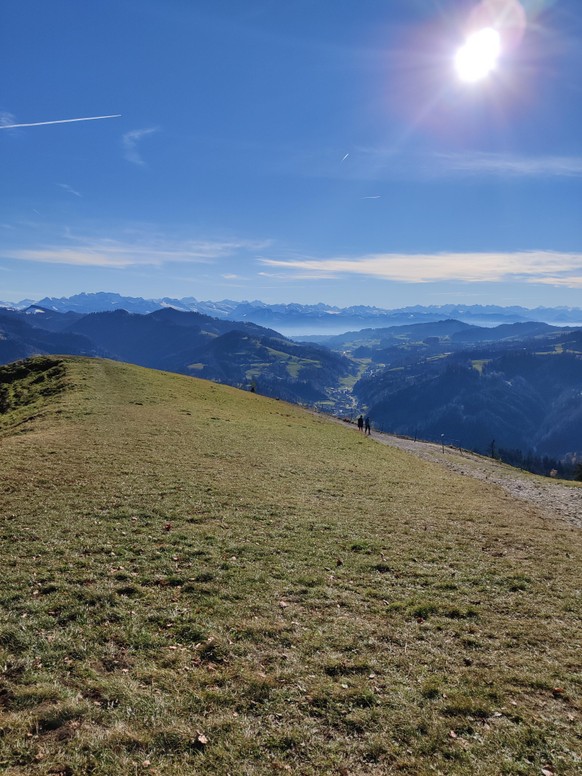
361,423
367,426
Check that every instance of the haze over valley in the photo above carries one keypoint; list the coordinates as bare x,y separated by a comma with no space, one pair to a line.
513,388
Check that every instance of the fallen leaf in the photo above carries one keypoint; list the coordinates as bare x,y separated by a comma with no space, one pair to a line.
452,734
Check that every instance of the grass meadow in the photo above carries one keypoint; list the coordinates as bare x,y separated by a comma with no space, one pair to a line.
200,580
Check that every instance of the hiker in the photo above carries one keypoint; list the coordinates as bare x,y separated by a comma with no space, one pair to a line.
361,423
367,426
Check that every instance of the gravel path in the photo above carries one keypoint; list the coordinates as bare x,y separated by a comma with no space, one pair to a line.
553,499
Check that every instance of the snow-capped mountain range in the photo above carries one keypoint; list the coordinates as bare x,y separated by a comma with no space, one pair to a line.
295,319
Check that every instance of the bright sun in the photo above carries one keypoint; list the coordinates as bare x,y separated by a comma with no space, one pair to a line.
478,57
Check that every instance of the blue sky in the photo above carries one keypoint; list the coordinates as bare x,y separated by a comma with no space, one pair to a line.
291,151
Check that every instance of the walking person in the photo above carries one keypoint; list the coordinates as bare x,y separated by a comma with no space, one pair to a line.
367,426
361,423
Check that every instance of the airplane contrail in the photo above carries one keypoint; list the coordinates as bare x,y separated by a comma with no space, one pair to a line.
59,121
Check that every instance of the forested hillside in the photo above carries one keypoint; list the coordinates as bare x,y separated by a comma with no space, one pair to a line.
236,353
514,386
519,399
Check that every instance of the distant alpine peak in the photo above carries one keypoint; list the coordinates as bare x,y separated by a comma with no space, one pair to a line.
295,318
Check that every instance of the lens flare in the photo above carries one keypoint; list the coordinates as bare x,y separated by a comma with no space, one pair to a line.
478,57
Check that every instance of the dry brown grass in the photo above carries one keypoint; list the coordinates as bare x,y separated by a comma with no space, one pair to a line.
200,580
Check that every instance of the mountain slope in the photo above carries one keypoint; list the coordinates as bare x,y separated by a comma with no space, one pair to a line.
234,352
198,579
19,339
524,395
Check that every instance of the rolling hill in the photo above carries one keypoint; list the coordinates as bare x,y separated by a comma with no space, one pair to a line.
523,394
236,353
197,579
515,385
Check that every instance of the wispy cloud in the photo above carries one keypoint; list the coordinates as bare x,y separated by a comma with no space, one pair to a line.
70,189
297,275
375,164
143,251
7,121
130,142
525,266
510,165
566,281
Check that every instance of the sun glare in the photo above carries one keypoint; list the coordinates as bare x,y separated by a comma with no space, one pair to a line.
478,57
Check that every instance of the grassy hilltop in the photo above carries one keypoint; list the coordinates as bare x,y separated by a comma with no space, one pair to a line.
199,580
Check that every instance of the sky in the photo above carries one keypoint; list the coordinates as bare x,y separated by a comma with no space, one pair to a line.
295,151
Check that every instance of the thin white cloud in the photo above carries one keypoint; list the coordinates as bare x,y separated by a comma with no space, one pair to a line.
511,165
565,281
374,164
156,251
70,189
9,124
528,266
6,120
295,276
130,142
